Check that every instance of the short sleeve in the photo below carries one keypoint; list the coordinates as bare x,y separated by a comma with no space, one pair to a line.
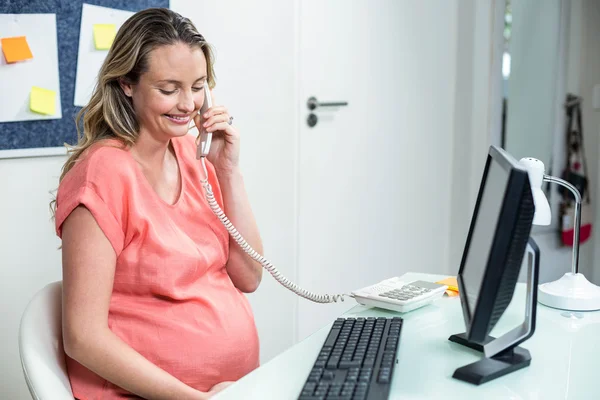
99,181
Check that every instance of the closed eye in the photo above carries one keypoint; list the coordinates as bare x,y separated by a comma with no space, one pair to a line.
167,92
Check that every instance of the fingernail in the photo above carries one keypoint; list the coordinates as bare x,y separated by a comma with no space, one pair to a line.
205,115
205,124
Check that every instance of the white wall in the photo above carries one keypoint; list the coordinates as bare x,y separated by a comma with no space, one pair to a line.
474,110
29,255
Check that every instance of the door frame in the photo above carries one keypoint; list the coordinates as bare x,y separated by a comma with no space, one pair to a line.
496,97
486,124
478,111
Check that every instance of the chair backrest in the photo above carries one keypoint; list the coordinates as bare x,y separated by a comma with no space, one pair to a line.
41,348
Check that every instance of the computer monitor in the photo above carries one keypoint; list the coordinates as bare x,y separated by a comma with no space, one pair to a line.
492,258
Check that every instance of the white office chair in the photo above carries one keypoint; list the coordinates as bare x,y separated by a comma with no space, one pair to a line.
41,348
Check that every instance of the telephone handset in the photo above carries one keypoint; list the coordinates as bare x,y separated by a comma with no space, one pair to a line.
205,137
203,147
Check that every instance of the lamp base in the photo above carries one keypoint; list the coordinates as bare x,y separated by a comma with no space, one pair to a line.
571,292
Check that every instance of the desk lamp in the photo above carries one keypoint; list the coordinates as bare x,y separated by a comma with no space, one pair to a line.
572,291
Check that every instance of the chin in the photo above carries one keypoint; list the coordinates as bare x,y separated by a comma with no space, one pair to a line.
175,131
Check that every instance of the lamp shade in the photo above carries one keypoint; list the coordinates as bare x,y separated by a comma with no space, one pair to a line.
535,169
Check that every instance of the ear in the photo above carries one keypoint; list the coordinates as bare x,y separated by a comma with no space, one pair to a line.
126,87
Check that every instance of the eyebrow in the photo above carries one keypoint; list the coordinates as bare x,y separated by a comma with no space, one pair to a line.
176,82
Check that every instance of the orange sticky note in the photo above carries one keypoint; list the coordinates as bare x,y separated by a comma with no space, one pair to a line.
450,282
42,101
15,49
104,35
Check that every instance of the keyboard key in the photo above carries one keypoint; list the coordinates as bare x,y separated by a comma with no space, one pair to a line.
347,364
309,388
333,363
315,375
335,390
328,376
333,334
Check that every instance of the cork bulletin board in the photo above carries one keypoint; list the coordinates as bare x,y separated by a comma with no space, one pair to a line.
48,134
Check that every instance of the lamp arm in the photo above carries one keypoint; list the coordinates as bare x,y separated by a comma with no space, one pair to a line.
577,217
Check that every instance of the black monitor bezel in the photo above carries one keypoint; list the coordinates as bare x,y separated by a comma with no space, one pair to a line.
477,321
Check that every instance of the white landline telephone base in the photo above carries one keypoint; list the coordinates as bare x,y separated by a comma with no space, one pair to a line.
398,295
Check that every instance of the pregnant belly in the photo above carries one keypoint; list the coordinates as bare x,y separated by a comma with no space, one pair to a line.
201,343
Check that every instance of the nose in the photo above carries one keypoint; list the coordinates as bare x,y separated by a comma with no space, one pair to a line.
186,101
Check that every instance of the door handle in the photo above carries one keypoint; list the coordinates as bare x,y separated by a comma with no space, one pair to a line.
313,103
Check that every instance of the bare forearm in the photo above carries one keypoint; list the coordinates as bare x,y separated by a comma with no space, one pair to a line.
245,273
114,360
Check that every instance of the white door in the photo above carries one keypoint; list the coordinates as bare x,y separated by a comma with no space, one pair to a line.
374,176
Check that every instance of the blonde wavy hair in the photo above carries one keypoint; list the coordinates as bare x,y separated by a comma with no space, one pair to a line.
109,113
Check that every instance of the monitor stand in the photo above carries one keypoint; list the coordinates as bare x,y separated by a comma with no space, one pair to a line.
461,338
487,369
503,355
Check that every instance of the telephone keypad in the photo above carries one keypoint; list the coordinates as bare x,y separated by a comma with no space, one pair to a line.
406,292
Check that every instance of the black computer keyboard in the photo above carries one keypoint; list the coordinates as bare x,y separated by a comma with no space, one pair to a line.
356,361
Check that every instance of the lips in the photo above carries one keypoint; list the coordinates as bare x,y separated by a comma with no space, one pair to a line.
178,119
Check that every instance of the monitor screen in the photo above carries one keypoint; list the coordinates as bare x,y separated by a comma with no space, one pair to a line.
498,235
483,232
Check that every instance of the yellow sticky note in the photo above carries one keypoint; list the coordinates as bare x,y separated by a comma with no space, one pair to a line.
42,101
15,49
104,34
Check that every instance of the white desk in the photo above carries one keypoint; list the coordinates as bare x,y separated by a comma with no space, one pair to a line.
565,357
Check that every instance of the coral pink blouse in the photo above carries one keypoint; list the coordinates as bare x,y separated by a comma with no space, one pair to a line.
172,299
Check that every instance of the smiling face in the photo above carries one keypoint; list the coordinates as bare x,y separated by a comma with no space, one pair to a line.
170,92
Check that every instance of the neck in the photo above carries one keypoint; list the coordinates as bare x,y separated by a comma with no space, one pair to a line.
150,152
